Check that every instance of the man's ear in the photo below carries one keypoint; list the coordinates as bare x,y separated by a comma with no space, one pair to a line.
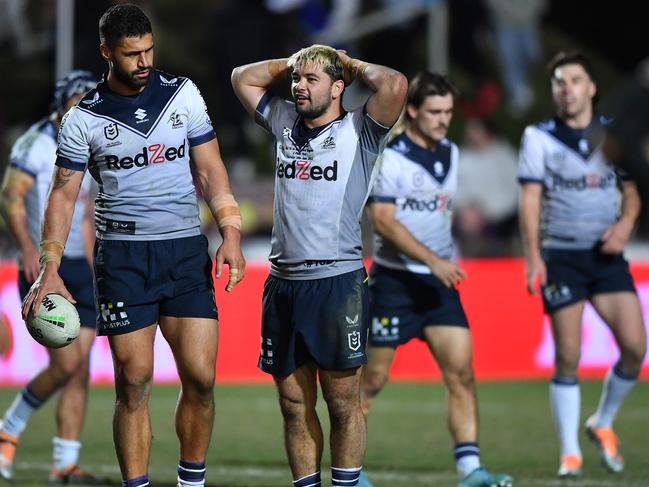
105,52
411,110
337,89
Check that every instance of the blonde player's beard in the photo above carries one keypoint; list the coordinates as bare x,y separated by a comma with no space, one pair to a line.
314,111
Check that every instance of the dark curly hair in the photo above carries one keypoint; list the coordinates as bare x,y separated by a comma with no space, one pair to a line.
124,20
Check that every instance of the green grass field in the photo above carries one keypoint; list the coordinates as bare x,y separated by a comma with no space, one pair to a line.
408,441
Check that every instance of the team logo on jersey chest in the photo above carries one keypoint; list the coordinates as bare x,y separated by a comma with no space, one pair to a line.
111,131
175,121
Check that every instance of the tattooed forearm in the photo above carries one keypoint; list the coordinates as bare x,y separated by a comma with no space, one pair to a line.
63,176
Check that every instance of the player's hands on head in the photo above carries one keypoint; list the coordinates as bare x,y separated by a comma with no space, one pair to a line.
616,237
448,272
348,75
535,274
230,253
48,281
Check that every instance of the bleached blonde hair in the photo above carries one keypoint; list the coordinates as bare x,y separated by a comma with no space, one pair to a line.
320,55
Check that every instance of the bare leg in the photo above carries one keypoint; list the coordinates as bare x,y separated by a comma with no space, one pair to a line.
341,391
451,347
375,374
193,342
298,394
622,313
133,360
71,406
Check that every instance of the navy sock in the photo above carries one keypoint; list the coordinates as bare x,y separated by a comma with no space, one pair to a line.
191,473
345,477
312,480
142,481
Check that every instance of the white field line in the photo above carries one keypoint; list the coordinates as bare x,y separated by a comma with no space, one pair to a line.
421,477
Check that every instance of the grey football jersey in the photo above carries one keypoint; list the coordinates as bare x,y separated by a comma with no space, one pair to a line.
322,179
34,153
137,149
580,187
421,183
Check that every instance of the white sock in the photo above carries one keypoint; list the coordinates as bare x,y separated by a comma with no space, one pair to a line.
467,458
18,414
617,385
66,452
565,402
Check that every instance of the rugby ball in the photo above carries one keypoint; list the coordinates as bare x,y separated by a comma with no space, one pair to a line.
56,324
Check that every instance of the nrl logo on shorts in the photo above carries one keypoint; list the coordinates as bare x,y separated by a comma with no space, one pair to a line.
111,131
354,340
175,121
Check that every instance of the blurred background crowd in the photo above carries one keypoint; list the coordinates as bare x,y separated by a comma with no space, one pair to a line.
493,50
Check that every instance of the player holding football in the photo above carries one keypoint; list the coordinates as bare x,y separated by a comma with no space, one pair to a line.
22,200
574,234
412,280
315,317
135,134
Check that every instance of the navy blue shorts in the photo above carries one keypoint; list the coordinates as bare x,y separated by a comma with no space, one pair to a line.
136,282
321,320
576,275
77,277
403,303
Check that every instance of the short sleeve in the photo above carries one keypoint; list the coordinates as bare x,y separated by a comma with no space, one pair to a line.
73,146
531,163
199,126
373,135
387,185
270,110
24,154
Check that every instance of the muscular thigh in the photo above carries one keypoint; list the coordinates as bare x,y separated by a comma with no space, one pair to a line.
193,342
451,346
133,355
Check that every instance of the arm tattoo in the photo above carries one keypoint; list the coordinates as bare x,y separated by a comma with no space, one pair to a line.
63,175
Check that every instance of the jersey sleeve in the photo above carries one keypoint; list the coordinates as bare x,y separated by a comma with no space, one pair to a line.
24,155
531,164
270,111
387,185
73,145
373,135
199,124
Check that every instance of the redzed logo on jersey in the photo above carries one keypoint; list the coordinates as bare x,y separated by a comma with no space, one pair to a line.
155,154
306,170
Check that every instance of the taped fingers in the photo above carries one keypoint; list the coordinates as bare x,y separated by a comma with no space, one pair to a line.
236,276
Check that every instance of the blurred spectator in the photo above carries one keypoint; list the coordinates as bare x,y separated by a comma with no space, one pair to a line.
515,26
628,136
15,28
485,205
468,27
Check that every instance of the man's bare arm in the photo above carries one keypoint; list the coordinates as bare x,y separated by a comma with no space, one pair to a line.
215,184
389,86
15,186
251,81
